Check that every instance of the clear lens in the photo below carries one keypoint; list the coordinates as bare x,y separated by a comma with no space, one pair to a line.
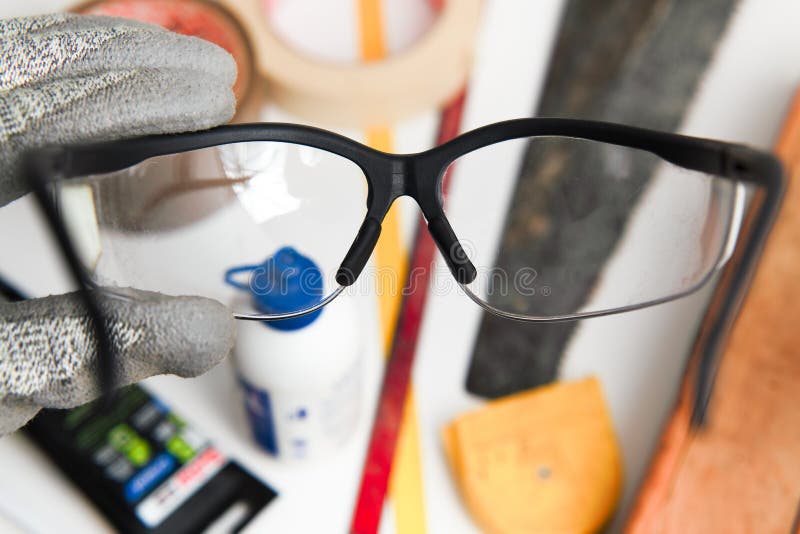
177,224
592,227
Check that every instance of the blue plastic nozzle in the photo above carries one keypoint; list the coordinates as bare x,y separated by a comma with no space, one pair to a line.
286,282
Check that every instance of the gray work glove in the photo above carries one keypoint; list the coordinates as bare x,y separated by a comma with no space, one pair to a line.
68,79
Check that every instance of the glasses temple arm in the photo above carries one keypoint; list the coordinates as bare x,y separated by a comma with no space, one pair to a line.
765,170
36,171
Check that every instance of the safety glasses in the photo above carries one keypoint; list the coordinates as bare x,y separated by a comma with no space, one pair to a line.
277,220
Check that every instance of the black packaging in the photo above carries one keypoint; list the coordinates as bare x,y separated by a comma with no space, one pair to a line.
145,468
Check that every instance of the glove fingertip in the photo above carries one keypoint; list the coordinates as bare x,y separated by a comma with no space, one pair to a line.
187,335
218,61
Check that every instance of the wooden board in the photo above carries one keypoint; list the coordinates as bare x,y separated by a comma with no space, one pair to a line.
741,471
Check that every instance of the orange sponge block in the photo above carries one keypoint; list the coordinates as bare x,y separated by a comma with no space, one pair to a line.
545,460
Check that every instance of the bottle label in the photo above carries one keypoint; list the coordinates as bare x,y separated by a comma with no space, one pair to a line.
259,412
303,424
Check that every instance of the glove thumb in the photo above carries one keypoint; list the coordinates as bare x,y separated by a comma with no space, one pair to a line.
49,357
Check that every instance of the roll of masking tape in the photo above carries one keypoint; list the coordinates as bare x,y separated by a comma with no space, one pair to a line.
423,77
198,18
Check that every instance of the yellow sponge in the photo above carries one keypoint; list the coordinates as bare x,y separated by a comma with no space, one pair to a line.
541,461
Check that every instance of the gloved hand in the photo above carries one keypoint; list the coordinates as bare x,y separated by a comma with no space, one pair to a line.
69,78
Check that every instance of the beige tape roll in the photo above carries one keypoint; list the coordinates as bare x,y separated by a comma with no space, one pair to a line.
422,77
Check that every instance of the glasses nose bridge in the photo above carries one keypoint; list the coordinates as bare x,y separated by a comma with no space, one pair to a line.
414,177
398,176
404,175
401,176
400,179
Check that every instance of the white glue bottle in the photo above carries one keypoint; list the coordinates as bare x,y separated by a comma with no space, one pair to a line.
301,376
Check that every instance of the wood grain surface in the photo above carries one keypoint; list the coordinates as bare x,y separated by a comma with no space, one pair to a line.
741,471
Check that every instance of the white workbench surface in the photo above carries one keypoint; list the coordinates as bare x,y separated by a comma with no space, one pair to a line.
638,356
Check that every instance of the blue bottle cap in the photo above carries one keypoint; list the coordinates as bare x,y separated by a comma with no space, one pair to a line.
286,282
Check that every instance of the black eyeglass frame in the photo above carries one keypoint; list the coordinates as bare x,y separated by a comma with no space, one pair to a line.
419,176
